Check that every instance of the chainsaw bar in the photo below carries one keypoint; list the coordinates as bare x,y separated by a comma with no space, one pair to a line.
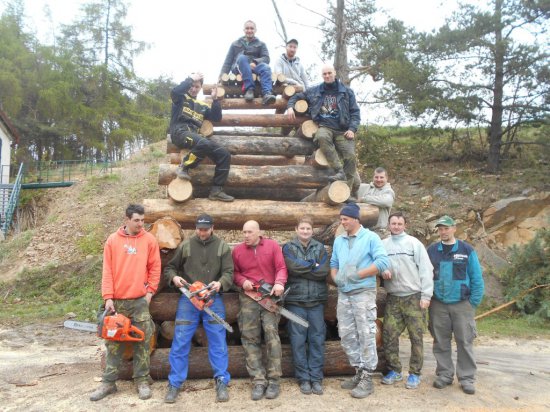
85,326
293,317
209,311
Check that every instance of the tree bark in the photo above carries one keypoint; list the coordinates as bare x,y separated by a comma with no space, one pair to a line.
495,131
271,214
236,90
341,50
240,104
302,177
259,193
258,120
248,160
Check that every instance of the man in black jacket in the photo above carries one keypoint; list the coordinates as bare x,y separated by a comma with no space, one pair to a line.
187,117
333,107
249,55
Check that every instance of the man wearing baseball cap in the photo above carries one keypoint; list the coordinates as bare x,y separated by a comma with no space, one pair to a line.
458,290
357,257
205,258
289,64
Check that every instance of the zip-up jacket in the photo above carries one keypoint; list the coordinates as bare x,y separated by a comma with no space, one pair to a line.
264,261
410,267
292,69
205,261
255,50
381,197
188,110
350,114
367,249
131,265
308,268
457,274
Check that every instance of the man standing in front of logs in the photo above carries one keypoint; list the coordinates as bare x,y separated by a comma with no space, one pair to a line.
205,258
308,266
333,107
289,64
249,55
357,257
458,290
409,283
256,259
378,193
131,273
185,122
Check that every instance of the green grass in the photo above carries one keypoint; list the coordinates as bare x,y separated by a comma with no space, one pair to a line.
53,291
92,241
95,184
513,325
12,249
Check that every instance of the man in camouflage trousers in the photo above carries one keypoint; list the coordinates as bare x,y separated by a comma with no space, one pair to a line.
256,259
131,273
409,284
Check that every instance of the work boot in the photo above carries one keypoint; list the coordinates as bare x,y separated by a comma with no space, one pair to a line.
144,390
340,175
273,390
181,172
104,390
364,388
316,388
353,381
171,394
441,383
249,95
222,395
258,392
305,387
217,193
468,388
268,99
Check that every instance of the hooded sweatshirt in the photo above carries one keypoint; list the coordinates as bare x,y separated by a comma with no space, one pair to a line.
131,265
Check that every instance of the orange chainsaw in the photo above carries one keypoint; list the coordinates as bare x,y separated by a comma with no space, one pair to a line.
115,327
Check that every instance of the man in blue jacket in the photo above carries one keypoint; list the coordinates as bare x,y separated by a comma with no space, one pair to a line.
333,107
458,290
249,55
357,257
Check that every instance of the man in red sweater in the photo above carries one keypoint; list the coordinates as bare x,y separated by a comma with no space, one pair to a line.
131,273
258,258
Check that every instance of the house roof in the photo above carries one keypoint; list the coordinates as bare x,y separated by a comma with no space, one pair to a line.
13,135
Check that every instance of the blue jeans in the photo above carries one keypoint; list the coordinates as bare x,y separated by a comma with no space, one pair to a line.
187,320
262,70
308,344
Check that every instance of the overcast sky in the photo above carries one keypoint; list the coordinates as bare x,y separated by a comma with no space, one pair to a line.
188,36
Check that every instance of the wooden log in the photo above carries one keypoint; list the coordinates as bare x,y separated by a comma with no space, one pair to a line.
168,232
258,120
247,160
301,176
318,160
326,235
241,103
333,194
271,214
237,89
180,190
289,91
167,328
258,193
281,78
259,145
307,129
224,78
207,129
301,107
336,363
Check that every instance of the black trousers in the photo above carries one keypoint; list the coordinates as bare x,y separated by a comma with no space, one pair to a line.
200,148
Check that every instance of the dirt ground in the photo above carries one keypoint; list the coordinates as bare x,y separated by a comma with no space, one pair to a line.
49,368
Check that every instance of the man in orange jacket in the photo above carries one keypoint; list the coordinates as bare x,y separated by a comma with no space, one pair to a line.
131,273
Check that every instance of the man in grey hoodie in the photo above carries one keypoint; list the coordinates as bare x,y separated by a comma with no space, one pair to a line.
378,193
409,283
289,64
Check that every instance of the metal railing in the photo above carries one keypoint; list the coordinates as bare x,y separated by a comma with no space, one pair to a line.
9,200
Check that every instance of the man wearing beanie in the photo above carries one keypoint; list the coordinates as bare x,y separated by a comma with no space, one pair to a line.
357,257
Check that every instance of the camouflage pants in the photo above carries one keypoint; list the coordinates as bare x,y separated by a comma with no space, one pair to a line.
252,319
404,312
356,315
138,311
334,146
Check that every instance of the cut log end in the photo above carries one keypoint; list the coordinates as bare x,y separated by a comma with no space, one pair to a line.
207,129
167,231
319,159
180,190
307,129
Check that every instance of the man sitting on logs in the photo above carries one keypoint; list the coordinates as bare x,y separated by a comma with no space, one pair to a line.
249,55
257,259
307,263
205,258
357,257
289,65
333,107
378,193
187,117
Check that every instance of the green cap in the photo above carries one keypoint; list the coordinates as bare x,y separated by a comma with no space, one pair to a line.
445,221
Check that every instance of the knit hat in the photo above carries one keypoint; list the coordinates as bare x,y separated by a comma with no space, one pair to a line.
445,221
351,210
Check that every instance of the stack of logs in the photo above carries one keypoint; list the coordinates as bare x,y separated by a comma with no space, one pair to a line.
270,173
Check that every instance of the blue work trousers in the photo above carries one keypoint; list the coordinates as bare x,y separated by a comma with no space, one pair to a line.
308,344
187,320
262,70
